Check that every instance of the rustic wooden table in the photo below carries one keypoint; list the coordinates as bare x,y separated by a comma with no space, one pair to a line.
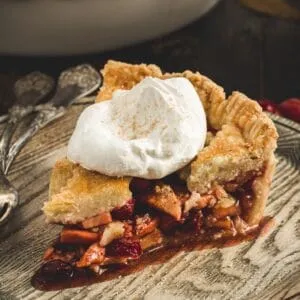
238,48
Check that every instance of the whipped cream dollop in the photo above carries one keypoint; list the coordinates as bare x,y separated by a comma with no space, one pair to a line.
150,131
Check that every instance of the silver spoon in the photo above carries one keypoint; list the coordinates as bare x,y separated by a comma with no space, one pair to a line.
73,84
3,118
29,90
9,198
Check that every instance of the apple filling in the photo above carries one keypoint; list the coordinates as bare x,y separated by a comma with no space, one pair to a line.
159,211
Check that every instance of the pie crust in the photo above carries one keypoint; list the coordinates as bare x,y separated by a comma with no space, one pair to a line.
222,193
246,137
77,194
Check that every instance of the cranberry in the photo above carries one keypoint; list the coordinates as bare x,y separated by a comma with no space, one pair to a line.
195,220
124,212
57,268
125,247
167,223
269,106
246,201
290,108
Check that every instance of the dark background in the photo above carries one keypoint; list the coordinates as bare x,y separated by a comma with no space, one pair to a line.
238,48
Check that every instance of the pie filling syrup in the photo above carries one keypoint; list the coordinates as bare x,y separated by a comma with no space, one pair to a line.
162,219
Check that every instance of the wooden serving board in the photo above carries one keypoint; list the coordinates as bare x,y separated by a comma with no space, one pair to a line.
268,268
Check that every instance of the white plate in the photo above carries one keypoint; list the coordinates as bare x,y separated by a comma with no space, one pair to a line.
48,27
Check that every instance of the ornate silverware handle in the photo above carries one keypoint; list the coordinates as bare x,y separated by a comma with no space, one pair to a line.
8,194
5,140
44,117
3,118
73,83
29,90
8,198
17,113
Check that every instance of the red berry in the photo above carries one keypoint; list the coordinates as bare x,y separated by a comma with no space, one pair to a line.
167,223
269,106
195,220
246,201
55,269
290,108
124,212
125,247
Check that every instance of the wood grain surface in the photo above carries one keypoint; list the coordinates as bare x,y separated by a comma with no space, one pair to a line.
268,268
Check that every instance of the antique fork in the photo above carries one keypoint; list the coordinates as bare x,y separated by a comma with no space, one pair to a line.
73,83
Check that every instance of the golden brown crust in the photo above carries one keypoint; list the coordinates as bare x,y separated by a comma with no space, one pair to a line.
246,137
257,141
207,90
261,189
61,172
77,193
118,75
227,157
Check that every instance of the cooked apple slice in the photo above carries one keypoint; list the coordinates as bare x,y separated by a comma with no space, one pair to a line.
164,199
199,202
95,254
145,224
76,236
101,219
152,239
112,231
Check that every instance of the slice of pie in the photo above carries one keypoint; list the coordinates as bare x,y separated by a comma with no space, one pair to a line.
221,194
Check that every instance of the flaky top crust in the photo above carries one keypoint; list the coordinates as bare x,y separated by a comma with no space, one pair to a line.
238,109
76,193
251,134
